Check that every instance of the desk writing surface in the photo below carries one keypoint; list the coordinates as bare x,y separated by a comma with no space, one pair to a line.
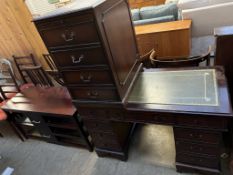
194,90
187,87
51,100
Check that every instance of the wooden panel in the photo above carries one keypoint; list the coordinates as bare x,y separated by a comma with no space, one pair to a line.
143,3
19,35
171,39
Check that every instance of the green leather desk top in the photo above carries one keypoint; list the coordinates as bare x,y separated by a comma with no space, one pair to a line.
183,87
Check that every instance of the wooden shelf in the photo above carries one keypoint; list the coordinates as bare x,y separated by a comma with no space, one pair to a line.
63,126
75,141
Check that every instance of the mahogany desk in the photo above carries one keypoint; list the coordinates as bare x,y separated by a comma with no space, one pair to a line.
199,124
47,114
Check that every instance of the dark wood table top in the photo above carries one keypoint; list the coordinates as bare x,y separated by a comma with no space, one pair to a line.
144,92
50,100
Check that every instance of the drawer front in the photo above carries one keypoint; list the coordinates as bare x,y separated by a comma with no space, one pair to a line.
71,35
64,21
100,94
202,122
87,77
208,162
92,114
153,118
197,135
197,148
96,126
107,141
79,57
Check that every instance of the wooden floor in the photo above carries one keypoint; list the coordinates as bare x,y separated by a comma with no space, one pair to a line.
152,152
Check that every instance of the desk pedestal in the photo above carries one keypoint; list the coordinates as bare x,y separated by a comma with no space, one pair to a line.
198,139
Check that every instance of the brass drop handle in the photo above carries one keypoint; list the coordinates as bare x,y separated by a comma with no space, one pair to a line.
68,36
36,122
77,60
93,94
86,79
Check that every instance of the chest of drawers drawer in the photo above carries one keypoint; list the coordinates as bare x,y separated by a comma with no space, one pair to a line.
94,93
87,76
79,57
209,162
69,31
197,135
189,147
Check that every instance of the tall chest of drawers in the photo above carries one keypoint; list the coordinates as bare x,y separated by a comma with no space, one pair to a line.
93,45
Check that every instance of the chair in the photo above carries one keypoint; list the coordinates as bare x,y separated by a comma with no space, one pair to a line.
21,61
54,71
37,75
180,62
145,59
8,83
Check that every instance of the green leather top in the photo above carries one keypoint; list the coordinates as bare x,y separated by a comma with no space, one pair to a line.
185,87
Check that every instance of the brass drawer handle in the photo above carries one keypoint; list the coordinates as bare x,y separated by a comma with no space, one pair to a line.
77,60
36,122
68,36
86,79
93,94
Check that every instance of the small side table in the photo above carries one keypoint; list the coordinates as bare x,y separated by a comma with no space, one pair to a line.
169,39
47,114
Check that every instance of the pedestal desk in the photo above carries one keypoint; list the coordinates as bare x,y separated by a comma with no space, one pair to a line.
94,47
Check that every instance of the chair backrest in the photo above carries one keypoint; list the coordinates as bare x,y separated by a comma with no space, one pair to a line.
181,62
8,83
22,61
50,61
37,75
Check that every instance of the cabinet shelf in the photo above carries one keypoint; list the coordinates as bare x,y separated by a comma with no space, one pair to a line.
71,126
68,133
70,141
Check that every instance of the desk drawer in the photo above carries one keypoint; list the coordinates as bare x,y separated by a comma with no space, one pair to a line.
79,57
150,117
208,162
71,34
92,114
202,122
106,140
189,147
97,126
87,76
197,135
94,93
